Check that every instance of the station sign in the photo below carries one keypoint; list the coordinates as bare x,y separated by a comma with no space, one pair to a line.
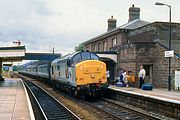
169,53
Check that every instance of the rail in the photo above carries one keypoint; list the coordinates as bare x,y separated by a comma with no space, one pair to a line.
51,108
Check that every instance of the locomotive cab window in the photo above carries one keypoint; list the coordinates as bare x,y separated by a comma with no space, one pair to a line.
94,57
85,56
76,58
58,67
52,70
81,56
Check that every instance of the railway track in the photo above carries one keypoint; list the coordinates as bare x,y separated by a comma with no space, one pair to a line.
122,112
106,109
49,106
110,110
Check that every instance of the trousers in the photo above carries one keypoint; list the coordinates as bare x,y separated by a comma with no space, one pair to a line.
141,82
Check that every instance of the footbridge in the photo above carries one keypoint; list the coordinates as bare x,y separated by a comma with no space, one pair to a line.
18,53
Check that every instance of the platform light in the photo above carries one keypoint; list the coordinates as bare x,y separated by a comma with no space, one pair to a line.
169,76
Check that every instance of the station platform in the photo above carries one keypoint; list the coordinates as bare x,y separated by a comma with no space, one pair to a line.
165,103
159,94
14,101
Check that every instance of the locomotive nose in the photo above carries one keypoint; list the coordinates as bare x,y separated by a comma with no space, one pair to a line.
92,71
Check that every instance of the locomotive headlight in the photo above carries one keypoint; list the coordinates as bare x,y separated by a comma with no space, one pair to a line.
92,76
78,88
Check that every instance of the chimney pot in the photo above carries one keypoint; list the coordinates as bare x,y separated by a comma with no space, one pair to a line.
111,23
134,13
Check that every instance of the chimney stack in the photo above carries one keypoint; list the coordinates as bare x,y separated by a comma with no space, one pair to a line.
111,23
134,13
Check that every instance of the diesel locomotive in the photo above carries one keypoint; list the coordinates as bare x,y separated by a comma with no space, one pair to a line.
79,73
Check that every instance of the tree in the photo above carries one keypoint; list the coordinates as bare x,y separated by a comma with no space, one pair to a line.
79,48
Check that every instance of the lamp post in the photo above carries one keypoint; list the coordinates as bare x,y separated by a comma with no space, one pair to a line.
169,76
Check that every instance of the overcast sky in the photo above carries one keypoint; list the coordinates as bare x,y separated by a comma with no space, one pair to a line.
64,24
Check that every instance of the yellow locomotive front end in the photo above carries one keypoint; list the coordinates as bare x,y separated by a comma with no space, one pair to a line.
91,72
91,77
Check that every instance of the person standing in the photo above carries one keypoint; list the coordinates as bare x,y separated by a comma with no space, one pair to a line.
121,76
142,74
108,75
125,78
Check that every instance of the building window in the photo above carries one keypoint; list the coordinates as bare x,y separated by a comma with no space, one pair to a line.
99,46
95,48
114,42
104,46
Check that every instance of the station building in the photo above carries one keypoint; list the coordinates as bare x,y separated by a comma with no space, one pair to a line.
137,43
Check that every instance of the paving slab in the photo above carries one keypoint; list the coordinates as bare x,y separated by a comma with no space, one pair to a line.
14,101
161,94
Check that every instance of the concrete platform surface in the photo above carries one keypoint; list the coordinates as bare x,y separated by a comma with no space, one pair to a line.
160,94
14,103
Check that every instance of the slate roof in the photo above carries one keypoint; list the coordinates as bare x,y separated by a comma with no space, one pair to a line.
134,24
125,27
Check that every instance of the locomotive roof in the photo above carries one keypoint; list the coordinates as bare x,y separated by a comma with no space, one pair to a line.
69,56
61,58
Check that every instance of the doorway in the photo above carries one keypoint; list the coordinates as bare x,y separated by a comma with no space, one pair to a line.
149,73
110,66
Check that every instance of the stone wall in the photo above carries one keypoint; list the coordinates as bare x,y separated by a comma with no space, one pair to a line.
132,56
161,67
149,104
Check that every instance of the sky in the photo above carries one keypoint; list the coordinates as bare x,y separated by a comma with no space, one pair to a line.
63,24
